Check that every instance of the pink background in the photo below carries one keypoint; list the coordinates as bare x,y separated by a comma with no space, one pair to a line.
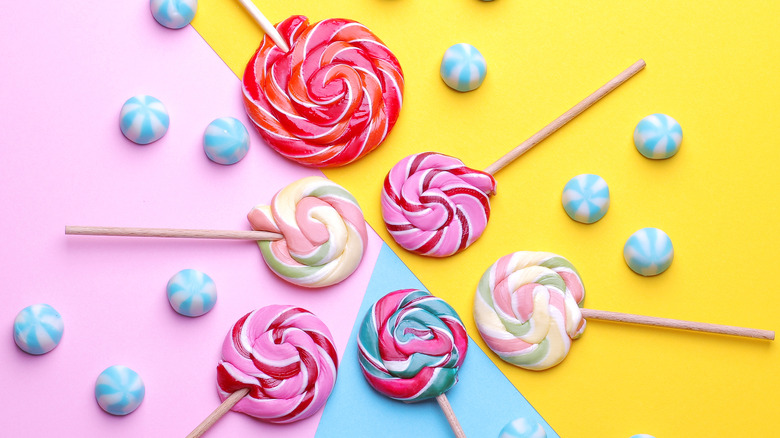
67,69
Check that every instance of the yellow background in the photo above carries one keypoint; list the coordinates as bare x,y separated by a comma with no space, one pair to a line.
713,67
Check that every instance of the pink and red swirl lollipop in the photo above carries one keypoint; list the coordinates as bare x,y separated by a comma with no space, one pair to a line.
278,365
331,98
433,205
410,347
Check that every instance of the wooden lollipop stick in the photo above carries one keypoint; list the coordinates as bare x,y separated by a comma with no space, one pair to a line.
450,414
565,117
219,412
172,232
678,324
266,25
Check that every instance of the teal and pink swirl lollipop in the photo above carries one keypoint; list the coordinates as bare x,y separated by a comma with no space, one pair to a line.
410,347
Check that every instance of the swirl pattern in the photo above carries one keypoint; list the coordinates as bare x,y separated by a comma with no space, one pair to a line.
285,355
324,232
331,99
411,345
38,329
527,308
658,136
434,205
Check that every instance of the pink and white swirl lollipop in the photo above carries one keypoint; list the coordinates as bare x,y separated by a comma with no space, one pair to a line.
433,205
278,365
313,234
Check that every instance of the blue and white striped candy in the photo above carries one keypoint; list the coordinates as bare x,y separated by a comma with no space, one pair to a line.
648,252
38,329
586,198
119,390
143,119
191,292
522,428
226,140
658,136
463,68
174,14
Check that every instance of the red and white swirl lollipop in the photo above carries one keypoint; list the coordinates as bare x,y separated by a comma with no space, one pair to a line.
434,205
330,98
278,365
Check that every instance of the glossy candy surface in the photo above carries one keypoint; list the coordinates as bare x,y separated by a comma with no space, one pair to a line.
522,428
324,232
586,198
38,329
174,14
226,141
527,308
119,390
411,345
463,67
433,205
143,119
331,99
191,293
649,251
285,355
658,136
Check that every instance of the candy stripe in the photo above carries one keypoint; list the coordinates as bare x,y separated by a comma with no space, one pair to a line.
38,329
143,119
410,345
226,141
586,198
658,136
174,14
286,357
119,390
649,251
324,232
527,308
432,204
191,292
331,99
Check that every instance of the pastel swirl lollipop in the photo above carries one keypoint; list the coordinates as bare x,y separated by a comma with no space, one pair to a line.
434,205
285,357
527,308
329,100
323,229
313,234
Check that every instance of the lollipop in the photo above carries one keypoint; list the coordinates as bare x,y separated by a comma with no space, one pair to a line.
410,347
313,234
431,213
278,365
330,98
527,310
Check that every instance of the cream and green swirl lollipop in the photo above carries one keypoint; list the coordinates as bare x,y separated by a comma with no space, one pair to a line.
528,309
313,233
